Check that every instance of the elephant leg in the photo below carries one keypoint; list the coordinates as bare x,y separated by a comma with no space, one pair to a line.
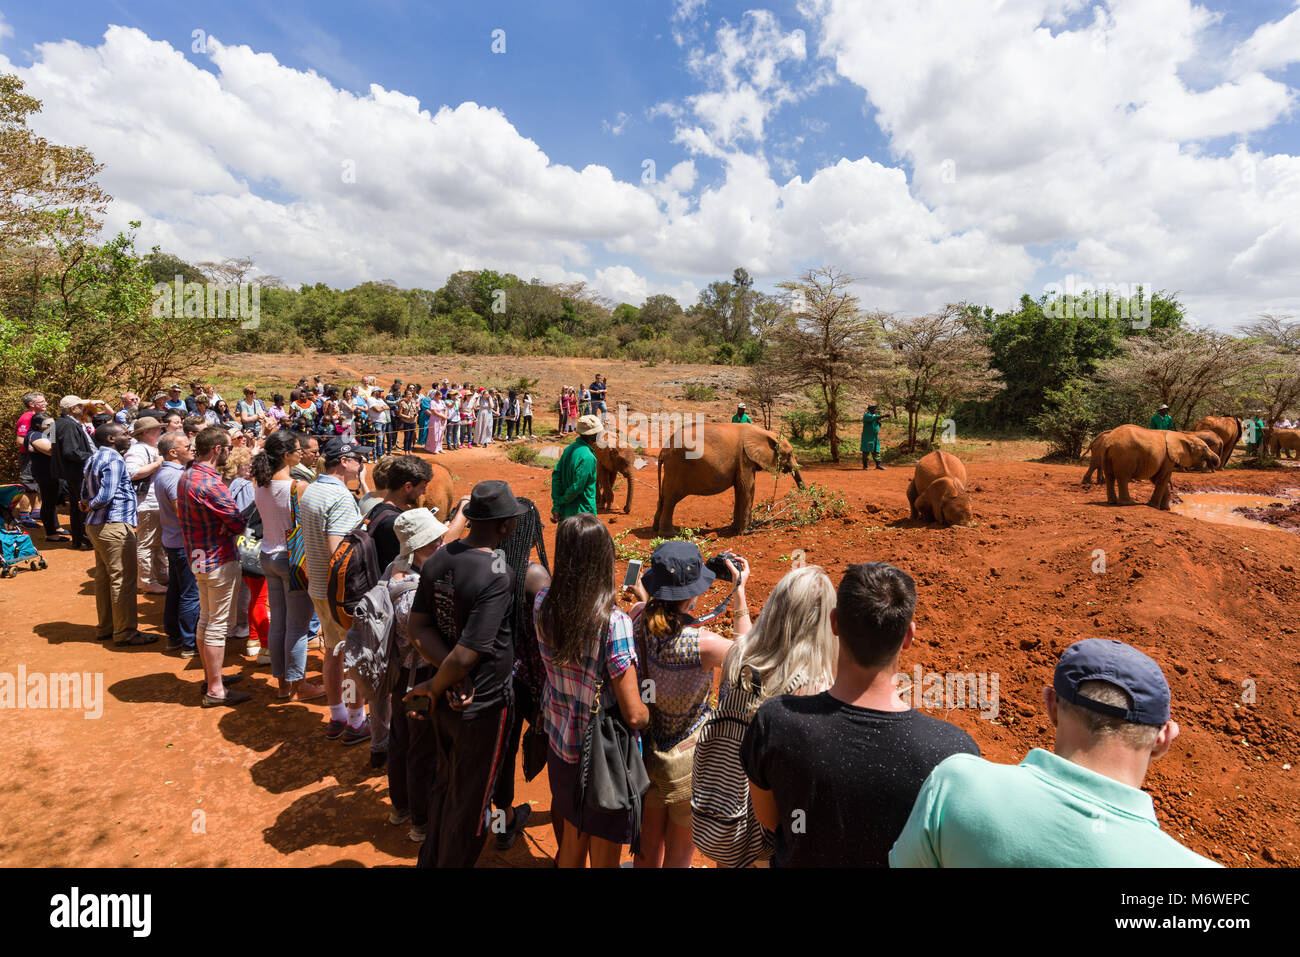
1124,497
1110,487
1163,481
1087,476
664,517
911,497
744,502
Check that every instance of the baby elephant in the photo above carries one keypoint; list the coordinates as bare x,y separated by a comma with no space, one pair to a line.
938,490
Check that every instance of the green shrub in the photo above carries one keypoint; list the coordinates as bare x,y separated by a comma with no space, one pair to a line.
696,392
798,507
523,454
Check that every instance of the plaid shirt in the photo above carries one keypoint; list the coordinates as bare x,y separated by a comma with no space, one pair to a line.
209,518
571,689
107,487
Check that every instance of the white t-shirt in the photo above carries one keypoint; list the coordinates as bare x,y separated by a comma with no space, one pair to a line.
277,515
528,406
137,457
379,411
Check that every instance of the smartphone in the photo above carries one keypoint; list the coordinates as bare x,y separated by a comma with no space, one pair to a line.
418,706
633,573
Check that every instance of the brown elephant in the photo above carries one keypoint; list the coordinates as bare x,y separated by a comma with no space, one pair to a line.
1227,428
1094,452
613,460
938,489
710,458
1132,452
440,493
1279,439
1211,439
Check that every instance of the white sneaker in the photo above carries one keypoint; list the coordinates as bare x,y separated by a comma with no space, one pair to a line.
253,647
154,589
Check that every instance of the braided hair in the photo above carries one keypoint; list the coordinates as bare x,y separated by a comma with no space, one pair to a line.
517,548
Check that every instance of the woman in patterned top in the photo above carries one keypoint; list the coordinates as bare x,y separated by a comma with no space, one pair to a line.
577,624
678,657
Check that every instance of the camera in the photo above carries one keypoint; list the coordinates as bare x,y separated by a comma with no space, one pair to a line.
718,564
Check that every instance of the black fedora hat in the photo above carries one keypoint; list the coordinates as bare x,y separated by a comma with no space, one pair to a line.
492,501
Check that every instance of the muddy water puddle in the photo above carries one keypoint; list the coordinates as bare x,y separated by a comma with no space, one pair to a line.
1221,507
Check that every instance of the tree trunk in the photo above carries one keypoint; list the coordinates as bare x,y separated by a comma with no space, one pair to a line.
833,422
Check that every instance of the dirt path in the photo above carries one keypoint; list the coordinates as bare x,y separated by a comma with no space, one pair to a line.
159,781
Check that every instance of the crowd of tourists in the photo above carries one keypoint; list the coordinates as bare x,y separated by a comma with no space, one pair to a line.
806,756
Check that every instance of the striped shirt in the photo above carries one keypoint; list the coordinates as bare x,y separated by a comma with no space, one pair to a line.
107,487
209,518
326,508
571,689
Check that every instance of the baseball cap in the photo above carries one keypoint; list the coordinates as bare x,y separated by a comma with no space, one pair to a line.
336,448
1104,659
677,571
70,402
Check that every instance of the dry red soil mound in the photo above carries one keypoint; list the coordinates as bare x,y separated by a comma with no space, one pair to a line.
159,781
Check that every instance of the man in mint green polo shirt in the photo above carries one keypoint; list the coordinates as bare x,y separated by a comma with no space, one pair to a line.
1080,807
1162,419
573,482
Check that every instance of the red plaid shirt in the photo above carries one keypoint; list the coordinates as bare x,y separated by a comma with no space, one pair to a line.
209,518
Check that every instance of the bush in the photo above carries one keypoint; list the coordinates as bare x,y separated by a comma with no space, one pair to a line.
696,392
798,507
1068,420
523,454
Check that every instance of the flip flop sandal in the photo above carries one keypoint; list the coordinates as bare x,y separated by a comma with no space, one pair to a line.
231,698
225,680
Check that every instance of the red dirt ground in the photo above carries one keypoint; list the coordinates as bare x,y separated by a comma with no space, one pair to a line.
159,781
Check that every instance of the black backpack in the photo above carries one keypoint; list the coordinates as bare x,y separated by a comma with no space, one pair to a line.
354,568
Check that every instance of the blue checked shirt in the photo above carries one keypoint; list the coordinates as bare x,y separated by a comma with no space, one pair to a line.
107,487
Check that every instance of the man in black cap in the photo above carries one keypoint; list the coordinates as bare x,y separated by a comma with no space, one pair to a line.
461,622
1082,806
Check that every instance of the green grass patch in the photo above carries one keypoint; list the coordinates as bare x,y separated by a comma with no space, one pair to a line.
696,392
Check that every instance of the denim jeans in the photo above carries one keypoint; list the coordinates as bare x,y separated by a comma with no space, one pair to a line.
381,437
291,611
181,606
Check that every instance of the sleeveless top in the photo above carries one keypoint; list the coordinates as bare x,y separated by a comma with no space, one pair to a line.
682,688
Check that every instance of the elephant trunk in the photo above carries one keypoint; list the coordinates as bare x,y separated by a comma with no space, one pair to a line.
798,479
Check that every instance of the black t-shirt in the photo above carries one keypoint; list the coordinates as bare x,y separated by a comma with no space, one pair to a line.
843,778
483,597
387,546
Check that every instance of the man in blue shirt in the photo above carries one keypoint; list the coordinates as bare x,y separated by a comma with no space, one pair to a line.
181,607
111,517
174,400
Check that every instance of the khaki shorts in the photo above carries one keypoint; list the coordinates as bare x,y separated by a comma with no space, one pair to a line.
679,813
332,633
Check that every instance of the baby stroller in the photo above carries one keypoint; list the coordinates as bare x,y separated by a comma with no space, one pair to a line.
15,544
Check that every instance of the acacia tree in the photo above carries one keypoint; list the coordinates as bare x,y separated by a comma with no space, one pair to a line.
1196,372
826,341
939,361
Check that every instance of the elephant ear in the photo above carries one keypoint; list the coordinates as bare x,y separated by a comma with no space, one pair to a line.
1181,450
760,448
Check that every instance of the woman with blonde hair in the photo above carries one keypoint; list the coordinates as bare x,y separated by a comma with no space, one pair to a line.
790,650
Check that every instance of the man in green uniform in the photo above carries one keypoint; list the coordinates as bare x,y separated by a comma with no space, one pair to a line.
1253,448
870,444
573,483
1162,419
741,415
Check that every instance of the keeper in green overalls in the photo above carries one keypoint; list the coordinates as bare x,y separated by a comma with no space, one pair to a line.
1252,448
1162,419
870,444
573,481
741,415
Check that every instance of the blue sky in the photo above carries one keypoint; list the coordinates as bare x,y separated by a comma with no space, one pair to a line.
613,85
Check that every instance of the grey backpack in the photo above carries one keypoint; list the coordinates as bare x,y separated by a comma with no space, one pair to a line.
370,655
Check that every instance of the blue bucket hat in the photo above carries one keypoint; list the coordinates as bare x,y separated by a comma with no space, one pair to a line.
676,572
